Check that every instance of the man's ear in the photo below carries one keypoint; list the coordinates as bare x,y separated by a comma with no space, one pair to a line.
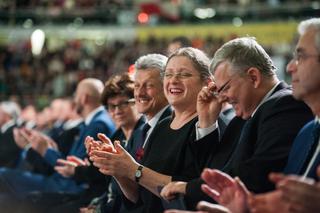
84,98
255,76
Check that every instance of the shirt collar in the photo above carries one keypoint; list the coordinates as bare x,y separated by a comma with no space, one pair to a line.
69,124
317,119
154,120
265,98
7,125
92,114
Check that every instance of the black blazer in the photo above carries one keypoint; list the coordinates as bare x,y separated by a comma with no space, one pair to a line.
264,144
136,142
9,151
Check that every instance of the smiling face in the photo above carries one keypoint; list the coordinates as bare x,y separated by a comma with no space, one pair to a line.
305,69
122,112
239,91
182,82
148,92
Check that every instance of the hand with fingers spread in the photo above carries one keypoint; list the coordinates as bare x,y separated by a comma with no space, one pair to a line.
171,189
228,192
208,106
104,145
118,162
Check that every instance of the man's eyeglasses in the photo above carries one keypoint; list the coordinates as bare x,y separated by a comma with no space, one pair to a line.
298,56
121,105
224,87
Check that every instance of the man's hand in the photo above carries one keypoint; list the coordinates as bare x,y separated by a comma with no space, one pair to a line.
20,139
39,142
228,192
65,168
171,189
208,106
114,160
268,203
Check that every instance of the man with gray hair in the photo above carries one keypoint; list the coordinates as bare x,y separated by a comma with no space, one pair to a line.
149,101
245,78
9,151
294,193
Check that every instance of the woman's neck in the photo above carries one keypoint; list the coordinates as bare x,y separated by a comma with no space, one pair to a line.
182,117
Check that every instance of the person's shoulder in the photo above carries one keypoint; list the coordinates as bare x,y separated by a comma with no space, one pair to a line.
283,98
164,122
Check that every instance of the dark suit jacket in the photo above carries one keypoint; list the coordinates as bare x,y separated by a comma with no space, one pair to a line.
101,122
9,151
264,145
303,146
64,140
136,142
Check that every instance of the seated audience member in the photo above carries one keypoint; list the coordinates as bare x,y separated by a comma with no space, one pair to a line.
293,193
9,151
117,97
149,101
245,77
30,159
171,152
28,117
177,43
19,184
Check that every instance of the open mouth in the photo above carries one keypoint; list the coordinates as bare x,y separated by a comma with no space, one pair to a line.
175,91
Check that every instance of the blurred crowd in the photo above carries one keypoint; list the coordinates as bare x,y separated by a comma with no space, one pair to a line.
184,131
36,80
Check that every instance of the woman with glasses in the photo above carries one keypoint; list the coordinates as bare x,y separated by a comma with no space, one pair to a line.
172,152
117,97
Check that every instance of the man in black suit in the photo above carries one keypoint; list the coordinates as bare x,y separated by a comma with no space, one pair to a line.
245,77
9,151
151,102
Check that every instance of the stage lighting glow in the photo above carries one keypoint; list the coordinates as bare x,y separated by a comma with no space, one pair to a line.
131,69
37,41
143,18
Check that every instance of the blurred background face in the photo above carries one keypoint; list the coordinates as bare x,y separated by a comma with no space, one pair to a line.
182,82
43,118
305,69
172,47
121,110
58,107
148,92
78,100
3,117
236,90
29,113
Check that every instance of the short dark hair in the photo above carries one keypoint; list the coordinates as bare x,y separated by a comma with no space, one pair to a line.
184,41
119,84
